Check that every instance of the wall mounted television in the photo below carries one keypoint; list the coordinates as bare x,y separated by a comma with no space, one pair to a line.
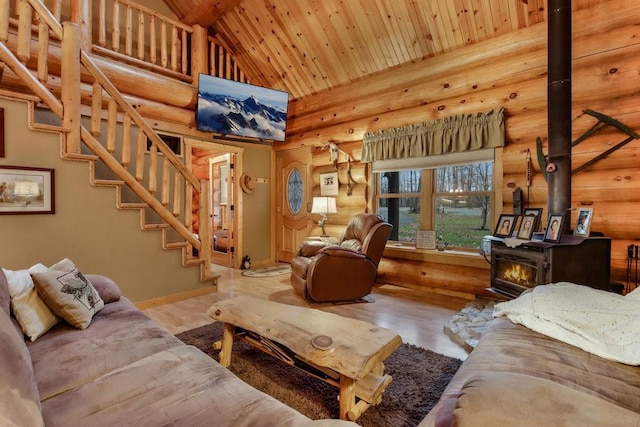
241,109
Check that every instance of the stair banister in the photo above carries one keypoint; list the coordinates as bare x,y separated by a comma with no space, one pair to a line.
115,95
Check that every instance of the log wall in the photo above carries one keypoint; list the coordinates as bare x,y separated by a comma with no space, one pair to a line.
508,71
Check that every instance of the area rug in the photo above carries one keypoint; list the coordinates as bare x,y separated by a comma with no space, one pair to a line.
272,270
419,378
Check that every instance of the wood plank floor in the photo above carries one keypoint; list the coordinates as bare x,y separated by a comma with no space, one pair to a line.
417,317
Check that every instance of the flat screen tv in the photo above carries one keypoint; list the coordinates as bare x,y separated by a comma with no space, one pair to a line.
241,109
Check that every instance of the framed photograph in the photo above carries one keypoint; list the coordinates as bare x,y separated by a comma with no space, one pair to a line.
554,228
25,190
538,214
583,222
527,226
426,239
329,184
505,225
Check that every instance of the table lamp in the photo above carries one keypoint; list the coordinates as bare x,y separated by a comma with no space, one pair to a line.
324,206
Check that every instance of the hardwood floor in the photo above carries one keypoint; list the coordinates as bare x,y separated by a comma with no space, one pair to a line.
418,317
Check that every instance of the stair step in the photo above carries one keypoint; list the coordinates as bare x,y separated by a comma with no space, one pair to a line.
130,205
175,245
106,182
80,156
154,226
192,261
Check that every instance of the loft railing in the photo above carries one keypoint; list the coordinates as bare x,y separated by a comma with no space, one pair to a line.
154,173
133,33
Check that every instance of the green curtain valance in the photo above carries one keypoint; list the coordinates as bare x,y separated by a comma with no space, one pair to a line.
453,134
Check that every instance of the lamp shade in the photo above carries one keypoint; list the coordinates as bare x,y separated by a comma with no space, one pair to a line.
324,205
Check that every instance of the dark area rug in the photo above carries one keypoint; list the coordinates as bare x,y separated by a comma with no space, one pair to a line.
419,377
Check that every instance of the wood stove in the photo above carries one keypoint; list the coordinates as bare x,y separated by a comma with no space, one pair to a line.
580,260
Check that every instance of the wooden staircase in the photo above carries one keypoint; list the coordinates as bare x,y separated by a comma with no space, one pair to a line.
152,180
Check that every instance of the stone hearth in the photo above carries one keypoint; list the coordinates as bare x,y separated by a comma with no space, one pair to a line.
466,327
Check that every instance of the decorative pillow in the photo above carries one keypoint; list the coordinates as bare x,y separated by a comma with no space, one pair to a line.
108,290
69,293
33,315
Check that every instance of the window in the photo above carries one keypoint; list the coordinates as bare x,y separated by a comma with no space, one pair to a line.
455,200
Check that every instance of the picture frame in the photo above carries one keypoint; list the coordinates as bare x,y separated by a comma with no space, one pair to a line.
425,239
583,222
553,233
527,227
538,213
329,184
2,153
505,226
26,190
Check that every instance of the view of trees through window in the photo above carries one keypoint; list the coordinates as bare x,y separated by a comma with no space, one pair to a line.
460,201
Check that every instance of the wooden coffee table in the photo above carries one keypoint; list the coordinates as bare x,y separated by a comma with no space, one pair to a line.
347,353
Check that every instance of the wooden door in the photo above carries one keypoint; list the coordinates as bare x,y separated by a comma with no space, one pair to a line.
293,197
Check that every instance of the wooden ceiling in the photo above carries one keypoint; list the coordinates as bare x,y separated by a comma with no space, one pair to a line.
308,46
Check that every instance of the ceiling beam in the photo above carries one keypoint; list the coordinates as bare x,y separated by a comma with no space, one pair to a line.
207,12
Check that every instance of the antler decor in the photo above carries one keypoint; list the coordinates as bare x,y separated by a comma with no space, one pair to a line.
334,156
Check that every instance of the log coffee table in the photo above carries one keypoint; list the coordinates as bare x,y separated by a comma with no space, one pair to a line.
344,352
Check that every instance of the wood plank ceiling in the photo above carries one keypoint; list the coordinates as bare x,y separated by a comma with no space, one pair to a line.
308,46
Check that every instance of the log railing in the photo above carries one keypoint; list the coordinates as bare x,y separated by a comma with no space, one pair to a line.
133,33
130,148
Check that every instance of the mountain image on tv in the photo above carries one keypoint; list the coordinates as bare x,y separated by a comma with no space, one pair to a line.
241,109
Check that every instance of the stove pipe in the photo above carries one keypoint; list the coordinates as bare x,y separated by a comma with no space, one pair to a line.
559,107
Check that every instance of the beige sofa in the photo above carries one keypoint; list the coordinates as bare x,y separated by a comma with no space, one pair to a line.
123,369
517,377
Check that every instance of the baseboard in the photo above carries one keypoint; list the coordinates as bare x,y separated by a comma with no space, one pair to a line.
154,302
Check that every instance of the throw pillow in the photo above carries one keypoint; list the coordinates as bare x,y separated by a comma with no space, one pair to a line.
69,293
33,315
108,290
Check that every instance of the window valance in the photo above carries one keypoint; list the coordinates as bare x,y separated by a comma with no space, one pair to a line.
455,134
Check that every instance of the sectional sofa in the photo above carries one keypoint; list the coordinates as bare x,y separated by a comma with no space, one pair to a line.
518,377
119,368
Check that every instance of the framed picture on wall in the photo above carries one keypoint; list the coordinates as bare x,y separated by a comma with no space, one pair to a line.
329,184
1,132
26,190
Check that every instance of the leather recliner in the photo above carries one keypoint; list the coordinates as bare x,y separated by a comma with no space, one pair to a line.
346,271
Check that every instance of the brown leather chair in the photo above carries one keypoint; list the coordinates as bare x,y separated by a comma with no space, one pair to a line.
346,271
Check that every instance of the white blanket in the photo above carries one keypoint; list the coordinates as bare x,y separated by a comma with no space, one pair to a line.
599,322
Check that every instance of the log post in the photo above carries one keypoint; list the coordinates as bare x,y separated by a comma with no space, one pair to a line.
81,15
24,31
204,227
70,90
199,53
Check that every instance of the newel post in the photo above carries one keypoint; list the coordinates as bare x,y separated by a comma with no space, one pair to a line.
70,85
204,223
80,14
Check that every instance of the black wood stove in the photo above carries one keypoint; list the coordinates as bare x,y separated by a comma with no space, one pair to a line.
585,261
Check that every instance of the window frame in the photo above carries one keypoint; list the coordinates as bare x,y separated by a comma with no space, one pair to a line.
428,196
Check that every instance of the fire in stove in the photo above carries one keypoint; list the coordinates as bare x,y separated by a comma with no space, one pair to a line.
516,273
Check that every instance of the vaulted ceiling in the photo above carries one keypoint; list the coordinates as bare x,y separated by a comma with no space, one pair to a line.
308,46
